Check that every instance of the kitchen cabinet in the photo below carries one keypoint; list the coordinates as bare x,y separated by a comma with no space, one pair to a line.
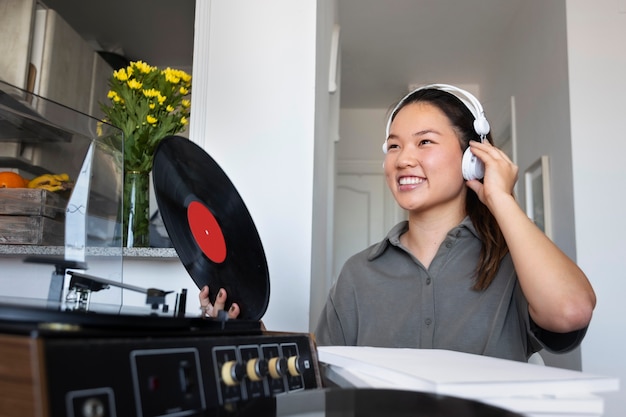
49,58
66,70
16,22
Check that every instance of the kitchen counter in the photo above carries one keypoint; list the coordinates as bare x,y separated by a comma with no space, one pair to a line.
136,253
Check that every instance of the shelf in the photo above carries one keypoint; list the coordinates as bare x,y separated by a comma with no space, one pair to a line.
130,253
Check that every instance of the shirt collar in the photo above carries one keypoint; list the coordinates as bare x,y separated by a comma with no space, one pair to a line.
393,237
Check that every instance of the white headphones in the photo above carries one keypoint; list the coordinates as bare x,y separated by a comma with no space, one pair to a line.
473,168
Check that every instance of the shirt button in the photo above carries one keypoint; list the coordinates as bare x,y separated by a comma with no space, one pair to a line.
427,281
448,245
428,322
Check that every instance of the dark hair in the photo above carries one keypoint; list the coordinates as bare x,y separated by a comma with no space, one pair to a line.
494,247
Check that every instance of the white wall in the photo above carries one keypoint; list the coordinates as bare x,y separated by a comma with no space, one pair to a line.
531,65
327,103
362,135
254,110
597,68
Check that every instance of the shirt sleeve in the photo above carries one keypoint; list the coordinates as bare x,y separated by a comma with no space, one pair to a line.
539,338
557,342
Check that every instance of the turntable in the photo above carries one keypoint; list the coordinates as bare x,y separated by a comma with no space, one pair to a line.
68,344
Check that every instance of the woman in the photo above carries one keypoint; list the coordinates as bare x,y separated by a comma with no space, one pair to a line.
468,271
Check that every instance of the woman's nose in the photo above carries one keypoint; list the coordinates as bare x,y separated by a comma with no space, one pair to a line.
406,158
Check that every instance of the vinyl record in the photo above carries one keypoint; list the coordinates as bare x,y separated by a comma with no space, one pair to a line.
210,226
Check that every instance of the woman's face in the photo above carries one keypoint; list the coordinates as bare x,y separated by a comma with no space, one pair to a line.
423,161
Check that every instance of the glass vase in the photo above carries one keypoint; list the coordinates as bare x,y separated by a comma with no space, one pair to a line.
136,207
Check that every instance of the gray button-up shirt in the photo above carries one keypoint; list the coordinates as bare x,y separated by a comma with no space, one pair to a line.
385,297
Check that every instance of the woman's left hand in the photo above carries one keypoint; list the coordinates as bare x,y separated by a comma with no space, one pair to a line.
212,310
500,173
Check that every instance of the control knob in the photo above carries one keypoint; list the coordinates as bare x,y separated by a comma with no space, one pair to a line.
296,364
256,369
232,373
277,367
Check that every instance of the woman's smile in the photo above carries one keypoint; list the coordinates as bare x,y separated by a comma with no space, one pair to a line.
409,182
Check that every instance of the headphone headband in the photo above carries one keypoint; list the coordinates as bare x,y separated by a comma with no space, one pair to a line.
481,125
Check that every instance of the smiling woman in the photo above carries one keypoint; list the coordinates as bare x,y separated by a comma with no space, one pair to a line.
467,253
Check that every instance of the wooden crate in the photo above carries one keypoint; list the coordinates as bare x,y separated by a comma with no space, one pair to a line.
31,217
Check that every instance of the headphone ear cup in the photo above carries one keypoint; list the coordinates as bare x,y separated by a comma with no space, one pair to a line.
481,126
473,168
385,147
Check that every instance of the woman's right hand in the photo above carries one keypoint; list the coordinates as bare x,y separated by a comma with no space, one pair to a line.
212,310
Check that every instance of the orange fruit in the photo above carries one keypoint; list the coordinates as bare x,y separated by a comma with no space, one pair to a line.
10,179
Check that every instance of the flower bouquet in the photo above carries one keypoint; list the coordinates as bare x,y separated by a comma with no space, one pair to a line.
146,104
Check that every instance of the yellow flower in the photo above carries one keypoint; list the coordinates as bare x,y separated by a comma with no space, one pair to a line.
153,92
143,67
147,104
134,84
114,96
120,74
174,76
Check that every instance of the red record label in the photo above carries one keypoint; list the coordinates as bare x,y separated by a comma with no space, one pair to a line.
206,232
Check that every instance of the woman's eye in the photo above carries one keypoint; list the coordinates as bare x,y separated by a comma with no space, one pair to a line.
425,141
392,146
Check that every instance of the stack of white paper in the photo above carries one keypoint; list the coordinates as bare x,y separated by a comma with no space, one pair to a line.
528,389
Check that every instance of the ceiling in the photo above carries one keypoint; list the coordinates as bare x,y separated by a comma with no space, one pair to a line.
386,44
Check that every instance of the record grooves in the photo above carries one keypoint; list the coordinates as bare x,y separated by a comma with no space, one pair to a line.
210,226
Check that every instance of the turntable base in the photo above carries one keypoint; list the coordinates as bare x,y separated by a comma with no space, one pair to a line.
61,370
81,377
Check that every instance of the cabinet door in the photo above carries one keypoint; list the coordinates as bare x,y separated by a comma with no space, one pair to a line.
99,86
16,20
67,65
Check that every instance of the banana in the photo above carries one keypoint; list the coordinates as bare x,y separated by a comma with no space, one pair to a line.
51,182
52,188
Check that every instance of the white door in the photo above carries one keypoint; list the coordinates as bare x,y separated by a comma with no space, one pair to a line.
364,213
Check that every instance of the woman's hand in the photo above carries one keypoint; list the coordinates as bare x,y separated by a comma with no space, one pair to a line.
500,174
212,310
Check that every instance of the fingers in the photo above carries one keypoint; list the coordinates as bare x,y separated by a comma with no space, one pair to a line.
487,150
212,310
233,311
203,296
500,173
220,300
